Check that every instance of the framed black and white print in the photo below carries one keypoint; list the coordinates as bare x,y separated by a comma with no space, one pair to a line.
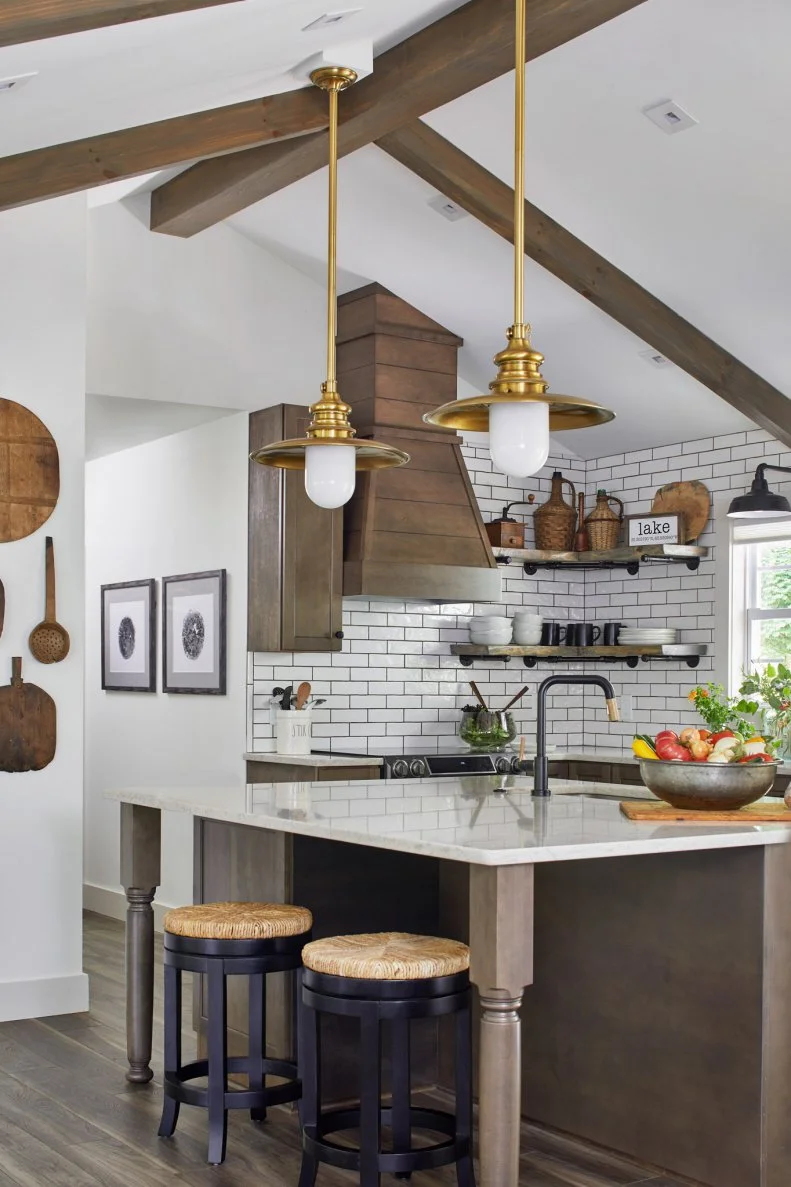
129,636
193,633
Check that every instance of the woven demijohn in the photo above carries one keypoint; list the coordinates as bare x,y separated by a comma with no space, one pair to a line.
555,520
238,921
604,526
387,956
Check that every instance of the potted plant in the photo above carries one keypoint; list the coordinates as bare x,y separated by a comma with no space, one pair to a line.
768,693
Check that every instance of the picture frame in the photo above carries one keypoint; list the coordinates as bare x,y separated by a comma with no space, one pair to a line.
654,528
194,610
129,636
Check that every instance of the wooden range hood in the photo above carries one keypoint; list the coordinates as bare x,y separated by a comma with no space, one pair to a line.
415,532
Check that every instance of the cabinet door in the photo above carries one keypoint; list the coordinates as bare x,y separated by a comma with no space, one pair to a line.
295,550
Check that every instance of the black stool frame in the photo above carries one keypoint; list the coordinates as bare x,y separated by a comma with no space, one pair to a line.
397,1003
218,959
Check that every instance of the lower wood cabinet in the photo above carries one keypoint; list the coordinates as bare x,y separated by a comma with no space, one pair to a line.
295,550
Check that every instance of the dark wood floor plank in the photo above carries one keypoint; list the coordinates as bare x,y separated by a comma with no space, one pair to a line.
69,1119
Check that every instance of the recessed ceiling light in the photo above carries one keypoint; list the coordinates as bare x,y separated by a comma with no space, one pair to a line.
19,80
655,358
331,18
449,210
670,117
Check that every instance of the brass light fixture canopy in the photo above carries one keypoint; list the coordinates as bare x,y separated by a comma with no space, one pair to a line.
330,415
519,379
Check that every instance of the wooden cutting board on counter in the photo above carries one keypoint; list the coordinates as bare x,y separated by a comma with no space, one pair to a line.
760,813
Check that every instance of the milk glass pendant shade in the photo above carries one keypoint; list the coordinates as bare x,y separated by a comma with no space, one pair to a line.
519,437
519,413
329,475
330,452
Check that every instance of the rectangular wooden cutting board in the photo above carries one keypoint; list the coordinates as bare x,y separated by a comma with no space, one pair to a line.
762,812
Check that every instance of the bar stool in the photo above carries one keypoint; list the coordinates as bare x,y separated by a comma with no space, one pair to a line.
391,977
222,940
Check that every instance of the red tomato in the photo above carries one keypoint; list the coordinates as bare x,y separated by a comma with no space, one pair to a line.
672,751
756,758
705,735
714,739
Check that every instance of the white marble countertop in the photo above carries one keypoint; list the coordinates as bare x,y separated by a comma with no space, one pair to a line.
458,819
314,760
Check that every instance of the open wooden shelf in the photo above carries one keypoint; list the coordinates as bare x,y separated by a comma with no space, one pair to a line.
630,559
688,653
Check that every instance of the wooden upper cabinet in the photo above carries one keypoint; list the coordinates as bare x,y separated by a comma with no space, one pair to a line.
295,550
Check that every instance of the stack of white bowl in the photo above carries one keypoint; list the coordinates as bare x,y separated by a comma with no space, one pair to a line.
490,630
527,628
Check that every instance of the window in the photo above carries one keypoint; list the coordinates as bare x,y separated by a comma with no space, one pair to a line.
761,626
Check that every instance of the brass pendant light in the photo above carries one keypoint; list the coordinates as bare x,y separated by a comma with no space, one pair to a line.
335,452
519,383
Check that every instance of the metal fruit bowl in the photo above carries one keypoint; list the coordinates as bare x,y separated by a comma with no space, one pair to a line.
707,787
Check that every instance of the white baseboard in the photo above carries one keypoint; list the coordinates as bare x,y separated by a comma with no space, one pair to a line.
43,997
104,900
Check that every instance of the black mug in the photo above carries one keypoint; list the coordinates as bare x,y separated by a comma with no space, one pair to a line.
552,634
582,634
611,632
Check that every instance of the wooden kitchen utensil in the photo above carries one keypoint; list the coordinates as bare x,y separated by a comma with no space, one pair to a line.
476,692
513,700
303,693
690,499
49,642
554,520
28,729
29,472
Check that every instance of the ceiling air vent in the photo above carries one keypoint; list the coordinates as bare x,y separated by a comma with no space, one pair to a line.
331,18
670,117
449,210
13,84
655,358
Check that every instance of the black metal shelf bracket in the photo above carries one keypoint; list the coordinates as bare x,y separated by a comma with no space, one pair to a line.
632,567
467,661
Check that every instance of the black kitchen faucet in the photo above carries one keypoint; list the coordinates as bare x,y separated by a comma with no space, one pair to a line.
541,772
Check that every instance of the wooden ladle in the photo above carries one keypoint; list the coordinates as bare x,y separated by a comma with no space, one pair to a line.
49,642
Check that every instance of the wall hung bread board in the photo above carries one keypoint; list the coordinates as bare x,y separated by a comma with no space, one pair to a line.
28,729
692,500
29,472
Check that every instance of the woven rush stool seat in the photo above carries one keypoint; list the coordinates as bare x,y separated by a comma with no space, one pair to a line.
220,940
238,921
387,956
385,980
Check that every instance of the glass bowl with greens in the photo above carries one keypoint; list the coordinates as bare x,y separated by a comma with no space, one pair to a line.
482,729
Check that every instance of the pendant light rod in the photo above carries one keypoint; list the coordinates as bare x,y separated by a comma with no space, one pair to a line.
519,159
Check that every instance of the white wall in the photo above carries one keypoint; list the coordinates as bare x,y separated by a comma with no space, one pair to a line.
42,365
177,505
212,320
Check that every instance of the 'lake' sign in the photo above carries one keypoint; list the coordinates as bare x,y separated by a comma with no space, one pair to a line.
654,529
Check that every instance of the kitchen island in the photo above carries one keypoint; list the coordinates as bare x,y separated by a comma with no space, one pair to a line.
657,1022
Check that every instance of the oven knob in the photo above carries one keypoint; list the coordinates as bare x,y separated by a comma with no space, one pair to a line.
515,766
502,766
400,768
418,768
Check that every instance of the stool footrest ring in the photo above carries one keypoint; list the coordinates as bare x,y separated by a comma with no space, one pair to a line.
315,1141
177,1086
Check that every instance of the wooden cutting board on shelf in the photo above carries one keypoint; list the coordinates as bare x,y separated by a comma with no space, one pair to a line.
28,728
690,499
761,813
29,472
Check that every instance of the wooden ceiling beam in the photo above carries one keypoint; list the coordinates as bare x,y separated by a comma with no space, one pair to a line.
35,20
460,178
81,164
462,51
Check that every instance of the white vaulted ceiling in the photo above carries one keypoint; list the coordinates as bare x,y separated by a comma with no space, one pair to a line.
699,218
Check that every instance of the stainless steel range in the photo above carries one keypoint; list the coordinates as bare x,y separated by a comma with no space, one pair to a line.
452,759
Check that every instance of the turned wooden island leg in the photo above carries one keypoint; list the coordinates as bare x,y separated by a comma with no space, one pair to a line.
140,877
501,966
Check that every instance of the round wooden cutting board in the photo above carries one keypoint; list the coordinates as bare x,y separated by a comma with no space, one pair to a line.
690,499
29,472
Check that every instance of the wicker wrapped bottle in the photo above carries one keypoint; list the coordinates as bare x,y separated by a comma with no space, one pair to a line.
556,519
604,526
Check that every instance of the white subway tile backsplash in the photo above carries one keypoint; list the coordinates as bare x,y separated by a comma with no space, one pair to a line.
395,678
